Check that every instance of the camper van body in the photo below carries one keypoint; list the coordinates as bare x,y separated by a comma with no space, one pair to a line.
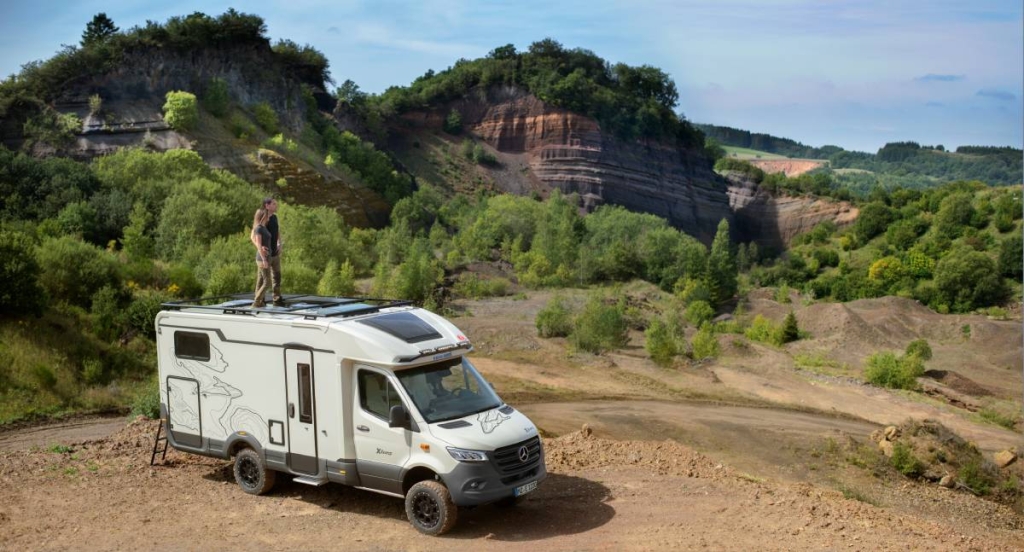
375,396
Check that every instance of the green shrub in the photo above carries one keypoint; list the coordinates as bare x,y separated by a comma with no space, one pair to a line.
266,117
904,461
147,402
782,294
699,312
453,122
72,270
790,331
920,349
241,127
473,286
599,327
763,330
555,319
280,143
95,104
216,99
483,157
885,369
19,272
659,342
337,281
704,343
180,110
978,475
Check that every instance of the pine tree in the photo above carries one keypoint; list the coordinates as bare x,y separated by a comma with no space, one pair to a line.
790,331
99,29
722,271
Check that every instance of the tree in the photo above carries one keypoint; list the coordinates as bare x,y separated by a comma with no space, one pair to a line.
660,343
99,29
967,279
722,268
216,99
955,212
1011,257
790,330
21,293
453,122
873,219
180,110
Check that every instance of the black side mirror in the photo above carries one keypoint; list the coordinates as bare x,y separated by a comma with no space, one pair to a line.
398,417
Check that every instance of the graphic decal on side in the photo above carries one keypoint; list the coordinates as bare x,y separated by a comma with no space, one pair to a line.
219,398
491,419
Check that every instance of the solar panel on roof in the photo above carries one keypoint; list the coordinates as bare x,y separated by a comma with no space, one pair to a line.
403,325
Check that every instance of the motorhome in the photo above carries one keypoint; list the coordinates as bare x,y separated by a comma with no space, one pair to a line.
373,394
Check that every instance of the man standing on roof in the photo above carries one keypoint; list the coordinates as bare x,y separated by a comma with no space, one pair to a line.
270,204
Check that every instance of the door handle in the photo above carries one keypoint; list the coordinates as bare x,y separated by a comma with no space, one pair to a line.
362,428
291,410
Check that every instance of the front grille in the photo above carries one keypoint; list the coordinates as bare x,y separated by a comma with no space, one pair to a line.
507,459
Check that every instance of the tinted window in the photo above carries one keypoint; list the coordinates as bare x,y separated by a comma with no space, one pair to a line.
376,395
191,345
305,394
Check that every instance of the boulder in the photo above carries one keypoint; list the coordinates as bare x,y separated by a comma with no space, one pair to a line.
1005,458
885,447
891,433
877,435
947,481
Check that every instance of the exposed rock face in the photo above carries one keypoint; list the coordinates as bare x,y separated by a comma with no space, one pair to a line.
149,74
789,167
774,221
570,152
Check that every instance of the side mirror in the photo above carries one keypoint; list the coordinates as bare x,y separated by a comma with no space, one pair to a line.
398,417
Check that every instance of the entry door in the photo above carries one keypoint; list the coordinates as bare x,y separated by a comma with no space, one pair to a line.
381,451
184,420
301,406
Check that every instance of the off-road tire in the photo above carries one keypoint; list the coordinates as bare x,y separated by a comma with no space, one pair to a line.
250,473
430,508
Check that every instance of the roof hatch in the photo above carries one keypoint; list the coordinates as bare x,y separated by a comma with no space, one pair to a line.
403,325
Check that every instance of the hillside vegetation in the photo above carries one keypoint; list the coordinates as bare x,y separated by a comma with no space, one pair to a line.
903,164
92,249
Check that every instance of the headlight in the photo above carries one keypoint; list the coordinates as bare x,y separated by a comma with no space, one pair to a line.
463,455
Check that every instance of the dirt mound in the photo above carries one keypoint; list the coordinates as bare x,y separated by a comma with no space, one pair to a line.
958,383
582,450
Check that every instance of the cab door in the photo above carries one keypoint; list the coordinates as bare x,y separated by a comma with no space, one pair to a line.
299,381
381,451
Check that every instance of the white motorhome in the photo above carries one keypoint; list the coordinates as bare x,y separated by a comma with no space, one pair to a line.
374,394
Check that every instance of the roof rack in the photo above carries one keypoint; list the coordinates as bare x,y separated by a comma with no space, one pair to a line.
310,307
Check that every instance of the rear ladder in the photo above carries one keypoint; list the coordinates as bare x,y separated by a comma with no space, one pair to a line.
156,445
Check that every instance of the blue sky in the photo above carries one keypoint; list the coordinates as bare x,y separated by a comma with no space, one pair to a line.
856,74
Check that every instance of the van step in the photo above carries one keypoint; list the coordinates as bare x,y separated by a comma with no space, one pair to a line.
311,480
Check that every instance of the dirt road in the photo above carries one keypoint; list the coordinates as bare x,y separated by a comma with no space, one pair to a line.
601,495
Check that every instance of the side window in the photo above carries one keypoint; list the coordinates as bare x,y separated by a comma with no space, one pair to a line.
376,395
192,345
305,394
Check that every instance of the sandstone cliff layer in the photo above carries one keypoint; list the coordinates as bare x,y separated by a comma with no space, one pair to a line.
570,152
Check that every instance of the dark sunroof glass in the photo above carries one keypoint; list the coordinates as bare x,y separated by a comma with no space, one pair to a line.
403,325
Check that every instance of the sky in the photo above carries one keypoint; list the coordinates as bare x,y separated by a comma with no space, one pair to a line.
856,74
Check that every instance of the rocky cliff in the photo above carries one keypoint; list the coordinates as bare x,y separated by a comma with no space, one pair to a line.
570,152
773,221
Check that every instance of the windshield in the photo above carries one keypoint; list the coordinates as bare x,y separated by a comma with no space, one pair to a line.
448,390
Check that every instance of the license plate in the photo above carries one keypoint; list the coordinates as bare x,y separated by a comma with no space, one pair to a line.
520,491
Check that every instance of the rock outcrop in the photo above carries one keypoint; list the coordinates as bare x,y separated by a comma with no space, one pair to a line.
789,167
570,152
774,221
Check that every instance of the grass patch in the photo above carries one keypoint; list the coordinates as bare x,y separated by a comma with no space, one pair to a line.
855,494
992,415
60,449
818,363
747,153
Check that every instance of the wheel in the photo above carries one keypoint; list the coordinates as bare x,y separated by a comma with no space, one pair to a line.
430,508
250,474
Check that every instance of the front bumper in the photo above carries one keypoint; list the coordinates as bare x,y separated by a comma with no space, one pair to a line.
477,483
